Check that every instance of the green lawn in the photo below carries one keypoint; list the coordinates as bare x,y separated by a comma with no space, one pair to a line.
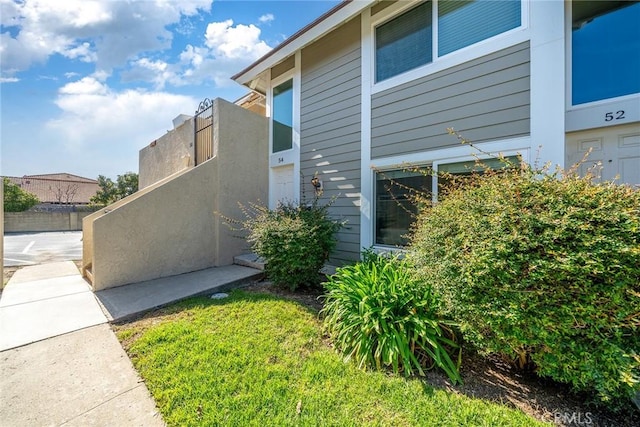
255,359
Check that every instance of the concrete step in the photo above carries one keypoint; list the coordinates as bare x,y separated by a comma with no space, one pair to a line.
88,273
254,261
250,260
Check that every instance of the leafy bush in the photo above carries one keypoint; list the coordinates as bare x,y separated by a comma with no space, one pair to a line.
377,314
542,267
294,240
110,192
16,199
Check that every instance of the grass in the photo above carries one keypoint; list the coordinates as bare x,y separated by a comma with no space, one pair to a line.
256,359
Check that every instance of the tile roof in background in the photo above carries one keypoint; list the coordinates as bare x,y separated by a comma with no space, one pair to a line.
58,187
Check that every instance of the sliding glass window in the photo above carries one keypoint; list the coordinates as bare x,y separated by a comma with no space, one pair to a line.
396,206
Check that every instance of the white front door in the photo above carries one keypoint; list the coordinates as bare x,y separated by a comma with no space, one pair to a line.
282,186
616,148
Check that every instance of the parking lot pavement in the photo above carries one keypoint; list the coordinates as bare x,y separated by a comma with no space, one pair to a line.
36,248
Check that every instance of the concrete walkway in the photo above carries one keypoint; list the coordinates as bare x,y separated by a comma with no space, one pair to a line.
128,301
61,363
43,301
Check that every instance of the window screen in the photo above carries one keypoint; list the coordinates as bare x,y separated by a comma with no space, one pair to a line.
404,43
463,23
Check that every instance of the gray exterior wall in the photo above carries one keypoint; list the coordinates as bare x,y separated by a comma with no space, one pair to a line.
483,99
330,129
22,222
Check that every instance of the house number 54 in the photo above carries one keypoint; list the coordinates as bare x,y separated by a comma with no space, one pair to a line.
280,159
618,115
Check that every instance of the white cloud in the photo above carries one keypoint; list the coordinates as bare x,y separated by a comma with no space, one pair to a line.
97,122
9,79
229,42
227,48
101,75
82,52
158,72
193,55
129,36
266,18
84,86
105,32
9,13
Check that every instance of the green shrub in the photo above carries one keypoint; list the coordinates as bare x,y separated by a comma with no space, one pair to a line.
16,199
377,314
544,268
295,241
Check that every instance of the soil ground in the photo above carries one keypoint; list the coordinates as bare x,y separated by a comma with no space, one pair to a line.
7,273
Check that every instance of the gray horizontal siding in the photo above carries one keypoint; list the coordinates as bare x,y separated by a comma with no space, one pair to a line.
342,95
349,67
330,129
483,99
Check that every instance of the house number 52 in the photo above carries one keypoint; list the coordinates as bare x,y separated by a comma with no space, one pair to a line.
618,115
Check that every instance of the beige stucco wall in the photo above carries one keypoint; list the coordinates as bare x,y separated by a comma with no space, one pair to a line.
43,221
166,155
170,227
89,221
243,153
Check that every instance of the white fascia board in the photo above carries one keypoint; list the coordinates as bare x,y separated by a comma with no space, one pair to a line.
331,22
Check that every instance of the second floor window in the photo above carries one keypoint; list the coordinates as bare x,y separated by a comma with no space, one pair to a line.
282,119
605,53
407,41
404,43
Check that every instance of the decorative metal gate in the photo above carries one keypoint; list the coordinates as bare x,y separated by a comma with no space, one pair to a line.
203,131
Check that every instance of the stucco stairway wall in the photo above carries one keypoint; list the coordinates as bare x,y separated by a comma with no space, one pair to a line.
242,151
89,221
171,227
170,153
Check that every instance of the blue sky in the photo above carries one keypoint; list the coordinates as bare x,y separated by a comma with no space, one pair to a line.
84,84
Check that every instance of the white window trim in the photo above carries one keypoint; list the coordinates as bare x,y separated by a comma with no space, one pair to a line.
292,155
458,153
501,41
593,114
366,173
434,158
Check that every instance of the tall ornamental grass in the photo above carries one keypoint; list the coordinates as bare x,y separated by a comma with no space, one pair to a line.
378,315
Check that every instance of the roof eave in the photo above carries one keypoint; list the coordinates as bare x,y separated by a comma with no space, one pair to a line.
311,32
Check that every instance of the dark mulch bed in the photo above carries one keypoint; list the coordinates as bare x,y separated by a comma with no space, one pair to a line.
493,379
